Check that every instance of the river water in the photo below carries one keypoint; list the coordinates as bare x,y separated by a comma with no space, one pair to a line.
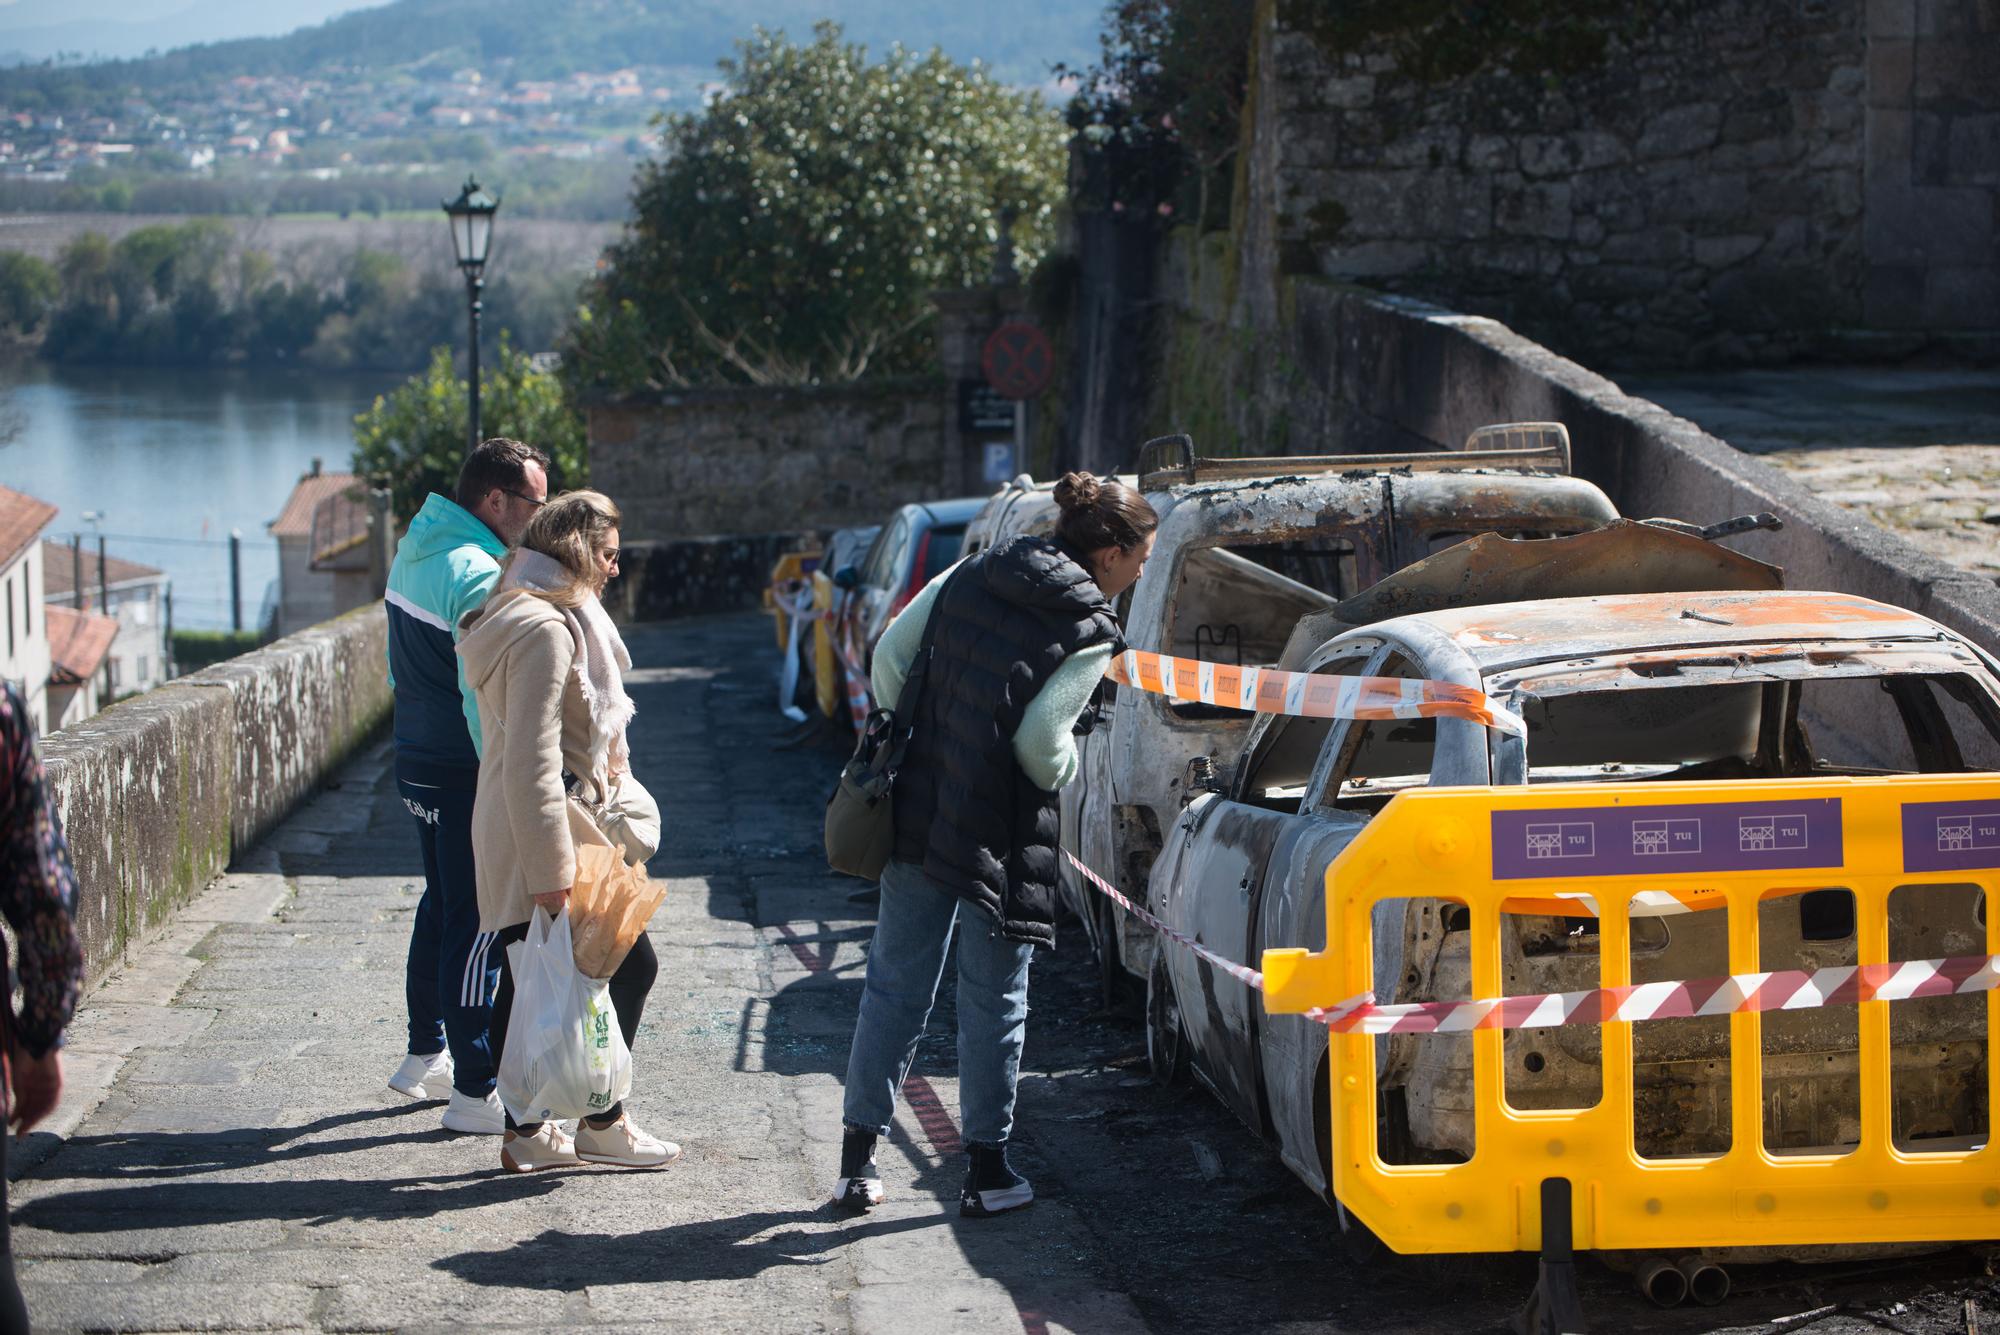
174,460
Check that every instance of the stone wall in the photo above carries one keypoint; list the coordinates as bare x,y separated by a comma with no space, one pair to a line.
661,581
743,461
1933,174
158,792
1728,181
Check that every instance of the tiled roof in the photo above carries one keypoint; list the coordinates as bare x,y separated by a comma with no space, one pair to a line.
22,519
58,579
78,642
295,520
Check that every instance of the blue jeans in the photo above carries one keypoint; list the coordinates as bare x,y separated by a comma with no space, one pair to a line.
449,979
905,965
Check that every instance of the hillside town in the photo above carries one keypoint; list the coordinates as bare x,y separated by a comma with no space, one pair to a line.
340,122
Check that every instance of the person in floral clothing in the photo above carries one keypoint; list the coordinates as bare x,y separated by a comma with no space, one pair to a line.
38,899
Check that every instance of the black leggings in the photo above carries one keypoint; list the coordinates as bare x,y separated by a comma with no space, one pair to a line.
629,986
13,1309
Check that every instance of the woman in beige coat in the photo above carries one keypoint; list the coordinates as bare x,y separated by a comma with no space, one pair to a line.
546,666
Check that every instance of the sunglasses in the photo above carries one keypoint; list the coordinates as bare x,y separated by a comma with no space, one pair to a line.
519,496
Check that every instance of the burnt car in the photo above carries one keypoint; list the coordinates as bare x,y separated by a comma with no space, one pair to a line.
1246,549
1717,687
1021,506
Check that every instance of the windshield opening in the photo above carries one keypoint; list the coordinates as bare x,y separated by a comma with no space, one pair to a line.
1712,727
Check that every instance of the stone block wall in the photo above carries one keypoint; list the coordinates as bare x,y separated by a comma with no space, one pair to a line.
158,792
1731,181
663,581
745,461
1933,173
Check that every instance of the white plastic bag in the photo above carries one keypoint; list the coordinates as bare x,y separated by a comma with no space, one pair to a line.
565,1055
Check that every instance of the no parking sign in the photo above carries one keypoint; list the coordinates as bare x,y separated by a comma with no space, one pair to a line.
1018,360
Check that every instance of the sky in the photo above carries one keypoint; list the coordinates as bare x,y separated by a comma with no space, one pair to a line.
37,29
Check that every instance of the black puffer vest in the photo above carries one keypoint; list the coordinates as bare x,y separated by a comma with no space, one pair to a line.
1004,622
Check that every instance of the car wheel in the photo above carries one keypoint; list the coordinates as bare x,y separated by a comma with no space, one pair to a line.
1166,1040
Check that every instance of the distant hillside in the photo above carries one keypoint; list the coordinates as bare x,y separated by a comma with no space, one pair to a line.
543,39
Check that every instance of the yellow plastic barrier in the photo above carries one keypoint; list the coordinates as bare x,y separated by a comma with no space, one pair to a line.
826,668
792,566
1503,850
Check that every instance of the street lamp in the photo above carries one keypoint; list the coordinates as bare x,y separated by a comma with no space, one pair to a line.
471,218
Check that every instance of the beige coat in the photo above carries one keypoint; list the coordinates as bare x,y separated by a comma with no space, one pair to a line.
519,658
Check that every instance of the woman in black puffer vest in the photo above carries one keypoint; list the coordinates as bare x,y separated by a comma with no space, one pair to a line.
1023,635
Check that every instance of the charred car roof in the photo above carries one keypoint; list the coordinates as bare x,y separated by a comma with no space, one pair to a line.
1496,637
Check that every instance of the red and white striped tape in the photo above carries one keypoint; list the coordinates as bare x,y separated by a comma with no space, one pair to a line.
1783,990
1308,694
1780,990
1243,973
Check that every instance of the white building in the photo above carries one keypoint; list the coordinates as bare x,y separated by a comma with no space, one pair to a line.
137,596
24,648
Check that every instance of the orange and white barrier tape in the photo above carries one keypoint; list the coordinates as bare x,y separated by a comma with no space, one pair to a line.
860,703
1780,990
1308,694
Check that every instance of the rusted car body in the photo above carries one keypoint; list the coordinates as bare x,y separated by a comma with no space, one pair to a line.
1716,686
1238,563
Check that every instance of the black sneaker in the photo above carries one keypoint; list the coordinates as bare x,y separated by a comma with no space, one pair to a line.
859,1187
991,1186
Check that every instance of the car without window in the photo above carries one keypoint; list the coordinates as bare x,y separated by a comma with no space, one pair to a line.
1246,548
1721,687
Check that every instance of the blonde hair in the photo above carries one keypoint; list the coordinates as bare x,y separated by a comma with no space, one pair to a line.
571,528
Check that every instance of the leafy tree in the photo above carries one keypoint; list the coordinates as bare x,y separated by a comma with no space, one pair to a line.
29,288
793,231
412,440
1160,114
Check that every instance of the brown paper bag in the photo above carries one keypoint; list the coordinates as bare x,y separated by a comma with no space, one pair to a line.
609,906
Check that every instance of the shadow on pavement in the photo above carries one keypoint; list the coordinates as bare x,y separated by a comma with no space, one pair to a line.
156,1161
705,1249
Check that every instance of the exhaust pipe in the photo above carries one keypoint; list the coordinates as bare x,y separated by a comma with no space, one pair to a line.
1707,1283
1662,1281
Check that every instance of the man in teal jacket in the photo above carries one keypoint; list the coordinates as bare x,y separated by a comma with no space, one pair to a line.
446,565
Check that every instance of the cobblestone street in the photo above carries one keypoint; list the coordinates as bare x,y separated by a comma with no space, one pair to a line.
1917,452
229,1157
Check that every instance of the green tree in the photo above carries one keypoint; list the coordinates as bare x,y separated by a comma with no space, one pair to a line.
793,231
29,288
412,440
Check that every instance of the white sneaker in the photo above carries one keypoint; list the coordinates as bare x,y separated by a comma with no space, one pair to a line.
424,1077
549,1147
475,1117
624,1145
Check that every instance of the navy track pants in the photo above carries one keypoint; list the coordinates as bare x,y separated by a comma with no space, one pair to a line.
453,966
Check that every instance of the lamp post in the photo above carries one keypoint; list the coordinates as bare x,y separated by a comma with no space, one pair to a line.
471,218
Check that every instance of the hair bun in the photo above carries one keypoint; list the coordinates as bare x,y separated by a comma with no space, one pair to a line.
1077,491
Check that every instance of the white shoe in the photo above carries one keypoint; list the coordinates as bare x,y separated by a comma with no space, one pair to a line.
475,1117
547,1148
424,1077
624,1145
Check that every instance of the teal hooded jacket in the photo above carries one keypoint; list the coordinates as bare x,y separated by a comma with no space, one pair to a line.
446,565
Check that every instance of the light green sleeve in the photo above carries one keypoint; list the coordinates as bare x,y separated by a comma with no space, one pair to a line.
897,648
1044,744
